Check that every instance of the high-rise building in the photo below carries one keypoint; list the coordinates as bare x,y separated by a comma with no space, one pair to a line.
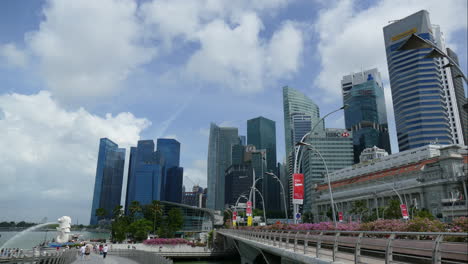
145,174
238,181
109,177
460,95
172,179
219,159
365,115
295,102
336,148
261,133
422,89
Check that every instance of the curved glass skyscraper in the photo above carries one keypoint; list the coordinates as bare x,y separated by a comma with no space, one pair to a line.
366,115
421,113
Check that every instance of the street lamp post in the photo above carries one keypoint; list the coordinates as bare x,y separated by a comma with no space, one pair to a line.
297,148
416,42
332,203
284,194
263,201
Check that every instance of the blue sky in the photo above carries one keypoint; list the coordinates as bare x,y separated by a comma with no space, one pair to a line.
72,72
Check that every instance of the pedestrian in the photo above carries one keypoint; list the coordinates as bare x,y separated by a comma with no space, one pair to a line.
100,249
87,252
82,251
104,251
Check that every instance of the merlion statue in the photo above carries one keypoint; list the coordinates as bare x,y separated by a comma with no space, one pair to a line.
63,229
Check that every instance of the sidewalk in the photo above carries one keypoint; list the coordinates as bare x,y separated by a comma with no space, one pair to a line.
98,259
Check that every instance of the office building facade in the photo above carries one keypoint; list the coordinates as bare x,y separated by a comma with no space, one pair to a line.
239,179
109,177
220,145
421,88
172,179
145,174
261,133
336,148
365,115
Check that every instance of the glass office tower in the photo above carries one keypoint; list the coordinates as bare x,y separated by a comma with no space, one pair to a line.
220,145
421,113
109,177
145,173
171,187
261,132
366,115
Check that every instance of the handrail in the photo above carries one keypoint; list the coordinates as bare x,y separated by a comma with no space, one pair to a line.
357,244
62,257
140,256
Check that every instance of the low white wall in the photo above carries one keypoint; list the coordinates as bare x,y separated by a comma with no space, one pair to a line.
162,248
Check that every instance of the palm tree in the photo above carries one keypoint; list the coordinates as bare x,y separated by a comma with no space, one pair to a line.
101,212
156,210
117,212
134,208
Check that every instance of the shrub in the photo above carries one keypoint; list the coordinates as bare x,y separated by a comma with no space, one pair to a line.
166,241
419,224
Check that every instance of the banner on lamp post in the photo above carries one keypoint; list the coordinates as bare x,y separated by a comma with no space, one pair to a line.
234,219
248,210
298,188
340,216
404,211
249,220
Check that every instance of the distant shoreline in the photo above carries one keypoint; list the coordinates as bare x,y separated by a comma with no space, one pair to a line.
19,229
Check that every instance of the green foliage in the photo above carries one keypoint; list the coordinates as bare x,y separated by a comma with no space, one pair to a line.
120,227
424,213
117,212
210,239
257,212
172,223
134,209
140,228
419,224
359,207
154,213
392,211
308,217
101,212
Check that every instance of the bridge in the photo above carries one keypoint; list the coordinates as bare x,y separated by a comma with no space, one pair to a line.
312,246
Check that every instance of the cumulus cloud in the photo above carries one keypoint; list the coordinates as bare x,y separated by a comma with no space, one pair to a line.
351,39
87,48
49,155
13,56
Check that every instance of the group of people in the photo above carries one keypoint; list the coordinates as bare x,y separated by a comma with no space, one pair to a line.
85,250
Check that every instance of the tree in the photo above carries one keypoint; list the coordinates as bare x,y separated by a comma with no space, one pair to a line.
117,212
101,212
359,207
134,209
119,229
393,211
154,212
140,228
172,223
308,217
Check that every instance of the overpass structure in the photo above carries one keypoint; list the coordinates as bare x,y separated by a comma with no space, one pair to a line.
312,246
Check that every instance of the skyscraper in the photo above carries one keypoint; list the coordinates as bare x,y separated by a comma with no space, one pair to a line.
172,180
145,173
366,115
336,147
421,90
295,102
261,132
219,159
109,177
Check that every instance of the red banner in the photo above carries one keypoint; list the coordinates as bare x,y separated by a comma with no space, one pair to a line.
298,188
234,216
248,210
404,211
340,216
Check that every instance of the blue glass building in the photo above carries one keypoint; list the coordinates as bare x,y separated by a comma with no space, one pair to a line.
145,174
171,182
366,115
421,113
109,177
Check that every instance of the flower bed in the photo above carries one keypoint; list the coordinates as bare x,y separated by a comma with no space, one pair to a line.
167,241
393,225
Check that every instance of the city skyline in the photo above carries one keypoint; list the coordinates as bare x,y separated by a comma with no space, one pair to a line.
130,88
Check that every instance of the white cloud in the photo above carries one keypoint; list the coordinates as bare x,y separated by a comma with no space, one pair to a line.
232,54
87,48
351,40
195,174
49,155
13,56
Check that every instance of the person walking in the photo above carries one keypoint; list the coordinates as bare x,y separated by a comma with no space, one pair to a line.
104,251
82,251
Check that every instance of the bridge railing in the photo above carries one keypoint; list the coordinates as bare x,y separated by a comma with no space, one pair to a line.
356,245
59,257
140,256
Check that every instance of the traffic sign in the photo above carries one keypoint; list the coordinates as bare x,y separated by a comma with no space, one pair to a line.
298,216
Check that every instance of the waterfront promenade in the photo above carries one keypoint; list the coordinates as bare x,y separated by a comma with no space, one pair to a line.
98,259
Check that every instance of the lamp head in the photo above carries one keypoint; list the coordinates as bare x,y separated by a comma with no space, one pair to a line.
345,106
301,143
